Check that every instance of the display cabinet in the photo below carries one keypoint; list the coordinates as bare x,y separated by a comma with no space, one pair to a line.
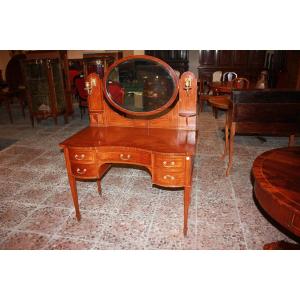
177,59
47,83
99,62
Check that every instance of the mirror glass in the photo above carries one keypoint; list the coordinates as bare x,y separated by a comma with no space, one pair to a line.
140,85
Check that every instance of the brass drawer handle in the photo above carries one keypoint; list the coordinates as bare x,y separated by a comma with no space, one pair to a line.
79,157
169,177
171,164
81,172
125,157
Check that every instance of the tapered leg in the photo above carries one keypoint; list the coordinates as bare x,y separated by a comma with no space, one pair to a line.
32,120
201,104
226,137
187,199
215,112
8,110
73,187
231,140
66,119
72,182
80,112
291,140
99,187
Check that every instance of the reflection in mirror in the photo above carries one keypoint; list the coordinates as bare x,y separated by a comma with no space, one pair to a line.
140,85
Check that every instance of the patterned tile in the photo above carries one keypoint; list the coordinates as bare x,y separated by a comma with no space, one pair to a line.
25,241
45,220
68,244
90,226
12,214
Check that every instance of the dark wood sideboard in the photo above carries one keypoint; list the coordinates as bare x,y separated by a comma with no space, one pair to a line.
246,63
177,59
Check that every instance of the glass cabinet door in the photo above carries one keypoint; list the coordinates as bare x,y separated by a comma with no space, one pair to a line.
58,84
38,86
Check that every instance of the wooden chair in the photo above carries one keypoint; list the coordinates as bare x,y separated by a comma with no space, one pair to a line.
240,83
203,95
15,81
262,112
4,99
229,76
81,93
216,76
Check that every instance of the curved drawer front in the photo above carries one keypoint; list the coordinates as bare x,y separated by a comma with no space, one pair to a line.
170,179
130,157
169,163
78,155
84,170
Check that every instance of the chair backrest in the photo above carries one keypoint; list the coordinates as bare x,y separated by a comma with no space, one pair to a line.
72,74
267,111
116,91
13,72
229,76
262,82
80,87
217,76
240,83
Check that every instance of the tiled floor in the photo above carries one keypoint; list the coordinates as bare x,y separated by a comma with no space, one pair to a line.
36,210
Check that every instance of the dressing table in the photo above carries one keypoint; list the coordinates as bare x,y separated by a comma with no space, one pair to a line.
141,113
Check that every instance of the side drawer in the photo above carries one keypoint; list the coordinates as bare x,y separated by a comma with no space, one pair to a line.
81,155
84,170
140,157
170,179
170,163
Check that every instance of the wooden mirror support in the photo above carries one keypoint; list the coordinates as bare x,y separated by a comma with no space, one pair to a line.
164,143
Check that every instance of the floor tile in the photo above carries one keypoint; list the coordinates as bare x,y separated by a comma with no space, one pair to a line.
24,241
45,220
68,244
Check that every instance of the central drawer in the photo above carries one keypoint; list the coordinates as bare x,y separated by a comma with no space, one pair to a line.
126,156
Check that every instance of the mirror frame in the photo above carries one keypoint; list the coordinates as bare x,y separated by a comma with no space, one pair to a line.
149,58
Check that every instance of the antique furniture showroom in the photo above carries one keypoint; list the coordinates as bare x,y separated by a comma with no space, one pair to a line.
149,149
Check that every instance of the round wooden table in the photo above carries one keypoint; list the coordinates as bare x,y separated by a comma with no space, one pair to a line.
277,188
221,87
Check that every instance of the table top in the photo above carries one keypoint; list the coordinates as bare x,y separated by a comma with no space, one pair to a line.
182,142
277,185
222,87
221,102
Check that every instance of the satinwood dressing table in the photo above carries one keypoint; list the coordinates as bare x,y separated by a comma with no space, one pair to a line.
140,114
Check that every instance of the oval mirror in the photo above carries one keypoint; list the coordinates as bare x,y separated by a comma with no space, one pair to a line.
140,85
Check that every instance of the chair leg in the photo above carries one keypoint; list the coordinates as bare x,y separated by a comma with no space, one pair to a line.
22,105
231,140
201,105
291,140
226,136
80,112
7,104
215,112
